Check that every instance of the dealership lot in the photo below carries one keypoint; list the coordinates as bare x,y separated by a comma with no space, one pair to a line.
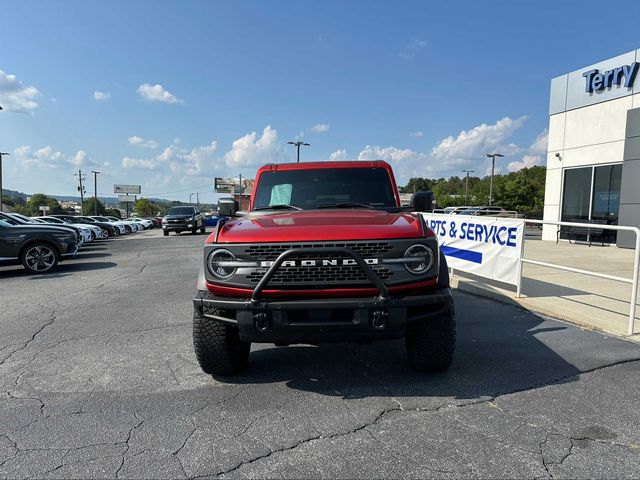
98,379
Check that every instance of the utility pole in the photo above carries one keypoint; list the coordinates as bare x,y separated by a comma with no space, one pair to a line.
493,167
1,154
81,189
95,192
198,198
466,185
297,145
190,195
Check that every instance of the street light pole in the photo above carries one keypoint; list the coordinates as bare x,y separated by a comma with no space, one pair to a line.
1,191
466,185
95,192
493,167
298,145
190,195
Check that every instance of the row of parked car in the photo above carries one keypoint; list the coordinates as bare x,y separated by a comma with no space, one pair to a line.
39,243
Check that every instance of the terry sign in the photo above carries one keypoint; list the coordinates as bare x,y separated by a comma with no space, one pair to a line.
596,81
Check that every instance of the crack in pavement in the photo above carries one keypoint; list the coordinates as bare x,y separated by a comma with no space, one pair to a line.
52,319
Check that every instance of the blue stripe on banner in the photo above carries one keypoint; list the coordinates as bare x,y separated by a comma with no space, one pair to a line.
469,255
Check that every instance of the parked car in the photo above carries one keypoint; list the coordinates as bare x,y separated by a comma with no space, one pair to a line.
38,248
124,229
211,220
111,231
183,219
489,211
97,232
18,219
145,222
129,225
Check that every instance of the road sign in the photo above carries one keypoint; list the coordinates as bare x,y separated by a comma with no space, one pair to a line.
132,189
44,209
232,185
126,199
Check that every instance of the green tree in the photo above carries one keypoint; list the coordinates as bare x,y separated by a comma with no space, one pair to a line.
417,185
113,212
32,207
89,207
145,208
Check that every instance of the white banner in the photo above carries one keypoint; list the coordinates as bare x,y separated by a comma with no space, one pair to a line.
489,247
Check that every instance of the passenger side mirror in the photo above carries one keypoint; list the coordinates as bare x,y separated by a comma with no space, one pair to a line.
228,207
422,201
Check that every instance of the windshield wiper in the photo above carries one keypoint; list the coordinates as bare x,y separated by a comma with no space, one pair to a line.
346,205
282,206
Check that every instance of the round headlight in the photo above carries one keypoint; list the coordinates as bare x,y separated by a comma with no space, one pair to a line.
216,263
424,259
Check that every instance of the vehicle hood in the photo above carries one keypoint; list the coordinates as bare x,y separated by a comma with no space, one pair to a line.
178,217
321,225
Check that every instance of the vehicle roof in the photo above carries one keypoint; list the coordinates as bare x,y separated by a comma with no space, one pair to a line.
270,167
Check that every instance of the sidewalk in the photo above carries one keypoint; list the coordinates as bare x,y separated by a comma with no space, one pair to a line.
581,299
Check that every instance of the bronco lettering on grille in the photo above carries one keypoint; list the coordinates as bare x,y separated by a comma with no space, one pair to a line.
320,263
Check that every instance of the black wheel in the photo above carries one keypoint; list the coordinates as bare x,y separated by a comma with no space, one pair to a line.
218,347
203,228
194,230
430,344
165,233
105,233
39,258
116,232
93,236
127,229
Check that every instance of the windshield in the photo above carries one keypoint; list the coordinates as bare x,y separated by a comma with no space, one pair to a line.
311,189
84,219
180,211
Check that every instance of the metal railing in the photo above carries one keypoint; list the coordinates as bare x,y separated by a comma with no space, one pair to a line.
486,212
633,281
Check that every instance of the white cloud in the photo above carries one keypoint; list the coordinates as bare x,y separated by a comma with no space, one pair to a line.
320,128
539,146
253,149
16,97
101,96
141,142
48,157
472,144
416,134
338,155
156,93
198,161
413,48
527,161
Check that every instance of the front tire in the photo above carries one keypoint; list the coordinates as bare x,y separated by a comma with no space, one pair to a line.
430,344
39,258
165,233
203,228
218,347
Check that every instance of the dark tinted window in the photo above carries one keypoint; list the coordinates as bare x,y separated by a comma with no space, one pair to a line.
308,189
181,211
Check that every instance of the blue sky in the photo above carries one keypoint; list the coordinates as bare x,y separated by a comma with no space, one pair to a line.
171,94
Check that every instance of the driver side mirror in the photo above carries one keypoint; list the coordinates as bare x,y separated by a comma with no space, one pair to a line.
422,201
228,207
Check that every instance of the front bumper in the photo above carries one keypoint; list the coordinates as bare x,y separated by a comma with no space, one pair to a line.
171,227
319,321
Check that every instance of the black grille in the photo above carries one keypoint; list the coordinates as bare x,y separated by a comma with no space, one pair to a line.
319,276
366,249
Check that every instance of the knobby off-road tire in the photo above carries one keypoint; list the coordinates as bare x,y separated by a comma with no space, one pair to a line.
430,344
218,347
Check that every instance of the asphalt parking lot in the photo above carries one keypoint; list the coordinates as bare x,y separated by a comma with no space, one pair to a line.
99,380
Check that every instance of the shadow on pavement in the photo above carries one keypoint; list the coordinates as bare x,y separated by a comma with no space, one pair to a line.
64,269
497,352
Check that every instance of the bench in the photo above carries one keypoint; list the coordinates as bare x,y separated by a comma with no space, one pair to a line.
588,232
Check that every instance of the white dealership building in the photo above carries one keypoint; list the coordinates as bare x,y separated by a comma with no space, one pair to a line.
593,159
